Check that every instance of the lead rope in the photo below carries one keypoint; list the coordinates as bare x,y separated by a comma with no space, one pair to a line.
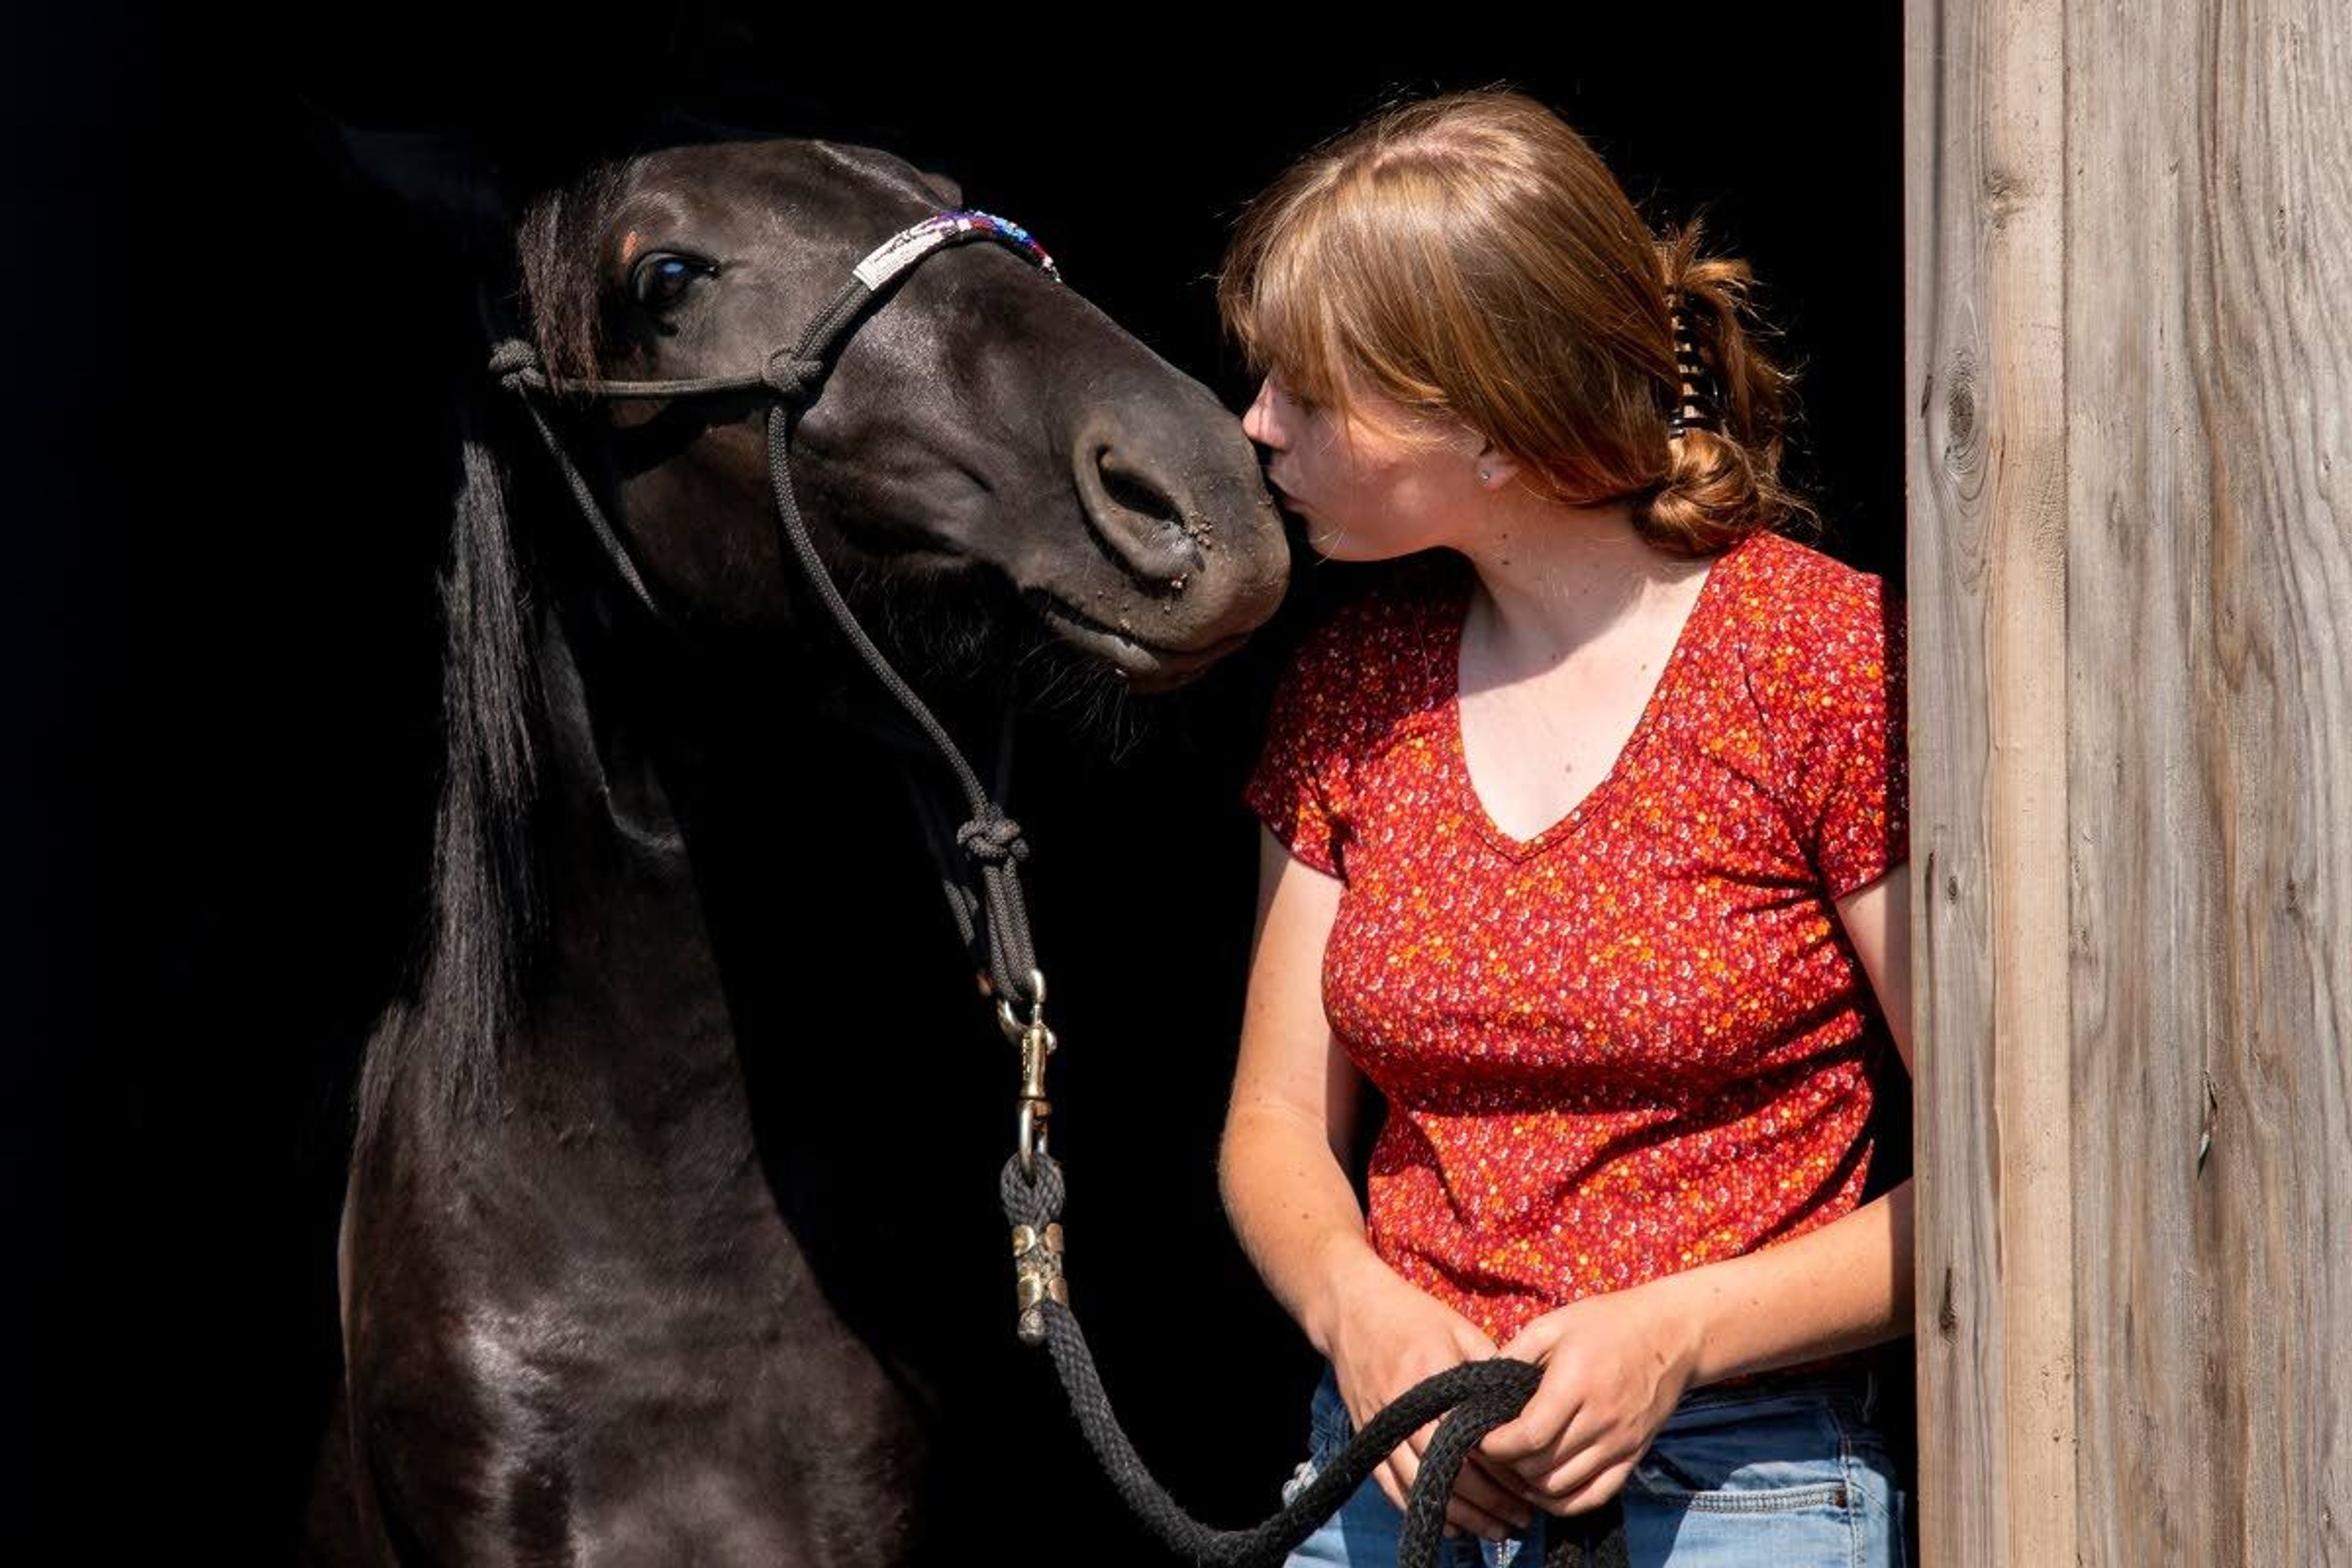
1482,1394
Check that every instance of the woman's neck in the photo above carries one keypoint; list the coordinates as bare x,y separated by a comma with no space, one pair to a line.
1554,578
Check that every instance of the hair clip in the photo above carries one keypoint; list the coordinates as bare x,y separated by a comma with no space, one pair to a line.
1696,406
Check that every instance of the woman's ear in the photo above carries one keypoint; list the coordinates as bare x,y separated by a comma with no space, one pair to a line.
1496,466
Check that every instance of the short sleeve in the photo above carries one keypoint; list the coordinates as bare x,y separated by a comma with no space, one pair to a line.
1854,778
1298,787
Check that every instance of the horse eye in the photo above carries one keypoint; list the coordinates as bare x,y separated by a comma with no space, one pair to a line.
660,279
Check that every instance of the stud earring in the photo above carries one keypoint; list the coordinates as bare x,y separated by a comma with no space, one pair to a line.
1486,474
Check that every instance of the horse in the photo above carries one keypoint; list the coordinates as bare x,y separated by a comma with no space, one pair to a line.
632,1260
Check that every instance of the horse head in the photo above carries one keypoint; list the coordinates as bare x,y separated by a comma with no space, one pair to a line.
986,443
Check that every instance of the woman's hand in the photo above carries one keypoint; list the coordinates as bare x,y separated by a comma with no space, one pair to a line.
1392,1336
1615,1366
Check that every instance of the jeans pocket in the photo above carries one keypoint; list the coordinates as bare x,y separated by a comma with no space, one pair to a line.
1662,1477
1771,1455
1768,1480
1330,1426
1870,1467
1328,1430
1300,1480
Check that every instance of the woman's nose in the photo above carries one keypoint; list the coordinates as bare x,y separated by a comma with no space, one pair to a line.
1257,421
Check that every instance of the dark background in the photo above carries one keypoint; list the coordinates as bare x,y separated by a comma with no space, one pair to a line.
221,662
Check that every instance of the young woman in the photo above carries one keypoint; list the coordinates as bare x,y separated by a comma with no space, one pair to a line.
1584,832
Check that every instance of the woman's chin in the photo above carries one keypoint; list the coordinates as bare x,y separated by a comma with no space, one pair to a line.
1342,546
1332,543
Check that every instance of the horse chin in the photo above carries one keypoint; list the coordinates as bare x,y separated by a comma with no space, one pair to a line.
1144,667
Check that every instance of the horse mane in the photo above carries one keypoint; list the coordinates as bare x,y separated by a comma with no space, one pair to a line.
488,917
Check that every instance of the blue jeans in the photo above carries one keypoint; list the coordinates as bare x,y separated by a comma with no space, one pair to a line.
1793,1474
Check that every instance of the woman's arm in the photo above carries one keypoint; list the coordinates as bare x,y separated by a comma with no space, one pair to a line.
1848,1284
1282,1169
1290,1123
1616,1365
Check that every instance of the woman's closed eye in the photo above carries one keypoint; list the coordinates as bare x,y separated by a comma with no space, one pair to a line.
1303,404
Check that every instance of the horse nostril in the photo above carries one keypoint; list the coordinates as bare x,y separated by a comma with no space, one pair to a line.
1134,493
1137,517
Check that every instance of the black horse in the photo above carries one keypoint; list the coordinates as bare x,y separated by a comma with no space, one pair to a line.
643,1239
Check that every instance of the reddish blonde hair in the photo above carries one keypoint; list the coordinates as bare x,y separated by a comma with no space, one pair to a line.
1470,257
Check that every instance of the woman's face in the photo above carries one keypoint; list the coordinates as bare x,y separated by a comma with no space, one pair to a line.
1363,493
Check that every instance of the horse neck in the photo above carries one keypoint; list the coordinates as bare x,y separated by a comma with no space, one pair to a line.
720,852
627,1024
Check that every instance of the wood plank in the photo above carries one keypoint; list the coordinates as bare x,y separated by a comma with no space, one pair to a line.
2210,734
1985,358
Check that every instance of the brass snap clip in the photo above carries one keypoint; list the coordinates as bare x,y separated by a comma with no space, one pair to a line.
1036,1043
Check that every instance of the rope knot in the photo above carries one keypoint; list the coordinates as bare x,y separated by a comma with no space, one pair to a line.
993,840
795,379
513,362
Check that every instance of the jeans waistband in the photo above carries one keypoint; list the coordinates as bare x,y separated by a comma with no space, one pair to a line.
1858,1383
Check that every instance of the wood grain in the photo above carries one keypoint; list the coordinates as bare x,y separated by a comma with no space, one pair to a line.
2128,237
2211,760
1984,240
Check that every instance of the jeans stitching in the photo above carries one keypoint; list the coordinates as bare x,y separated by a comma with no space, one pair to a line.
1854,1437
1674,1487
1854,1504
1878,1461
1781,1499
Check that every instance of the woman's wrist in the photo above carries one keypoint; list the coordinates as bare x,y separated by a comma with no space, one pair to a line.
1684,1320
1843,1286
1348,1270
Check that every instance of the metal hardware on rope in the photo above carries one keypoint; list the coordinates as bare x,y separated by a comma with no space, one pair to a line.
1036,1043
1037,1260
1480,1395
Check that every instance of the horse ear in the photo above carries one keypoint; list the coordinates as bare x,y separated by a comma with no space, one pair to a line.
450,185
947,189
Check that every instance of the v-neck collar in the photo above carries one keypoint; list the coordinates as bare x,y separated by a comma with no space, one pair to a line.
1453,610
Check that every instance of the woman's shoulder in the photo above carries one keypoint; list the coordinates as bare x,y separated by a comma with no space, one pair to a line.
1350,684
1807,619
1367,666
1787,577
1823,649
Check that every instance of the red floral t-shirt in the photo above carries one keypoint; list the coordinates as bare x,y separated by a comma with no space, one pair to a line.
1639,1041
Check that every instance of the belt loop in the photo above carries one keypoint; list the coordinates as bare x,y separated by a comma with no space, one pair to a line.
1869,1392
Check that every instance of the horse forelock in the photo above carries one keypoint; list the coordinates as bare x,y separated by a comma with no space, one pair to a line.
556,245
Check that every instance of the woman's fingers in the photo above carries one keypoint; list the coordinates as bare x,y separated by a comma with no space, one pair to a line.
1475,1504
1392,1484
1496,1500
1585,1478
1512,1487
1592,1494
